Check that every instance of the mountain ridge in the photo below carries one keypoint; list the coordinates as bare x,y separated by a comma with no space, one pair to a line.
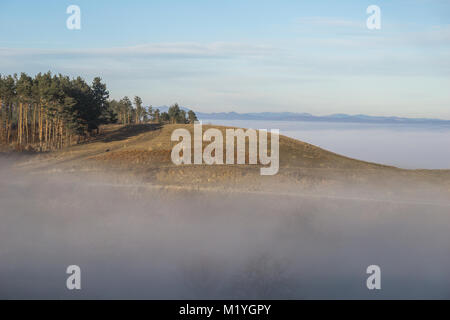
304,116
339,117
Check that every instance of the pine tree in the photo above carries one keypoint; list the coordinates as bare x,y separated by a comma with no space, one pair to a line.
165,117
127,110
151,114
139,109
176,115
192,116
157,116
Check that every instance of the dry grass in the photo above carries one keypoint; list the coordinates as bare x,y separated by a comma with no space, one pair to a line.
143,151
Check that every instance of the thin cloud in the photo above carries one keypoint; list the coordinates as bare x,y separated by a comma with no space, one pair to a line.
160,50
329,22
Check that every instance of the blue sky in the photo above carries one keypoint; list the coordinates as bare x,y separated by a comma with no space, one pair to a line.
244,56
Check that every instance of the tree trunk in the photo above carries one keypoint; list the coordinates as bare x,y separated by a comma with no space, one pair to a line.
2,138
26,123
33,135
19,125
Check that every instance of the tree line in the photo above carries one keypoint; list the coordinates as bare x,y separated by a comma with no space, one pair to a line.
125,112
49,112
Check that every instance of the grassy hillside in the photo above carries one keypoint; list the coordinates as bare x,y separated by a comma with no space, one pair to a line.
143,151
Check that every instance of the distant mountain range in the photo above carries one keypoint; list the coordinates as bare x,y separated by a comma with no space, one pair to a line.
292,116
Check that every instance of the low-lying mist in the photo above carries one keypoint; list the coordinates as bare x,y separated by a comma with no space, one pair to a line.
138,242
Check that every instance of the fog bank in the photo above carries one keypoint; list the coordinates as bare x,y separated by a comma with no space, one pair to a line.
136,242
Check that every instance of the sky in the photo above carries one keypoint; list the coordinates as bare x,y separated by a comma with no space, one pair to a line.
243,56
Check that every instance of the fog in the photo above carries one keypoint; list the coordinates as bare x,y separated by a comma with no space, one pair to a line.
409,146
138,242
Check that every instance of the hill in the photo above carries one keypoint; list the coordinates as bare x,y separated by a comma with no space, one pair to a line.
142,154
